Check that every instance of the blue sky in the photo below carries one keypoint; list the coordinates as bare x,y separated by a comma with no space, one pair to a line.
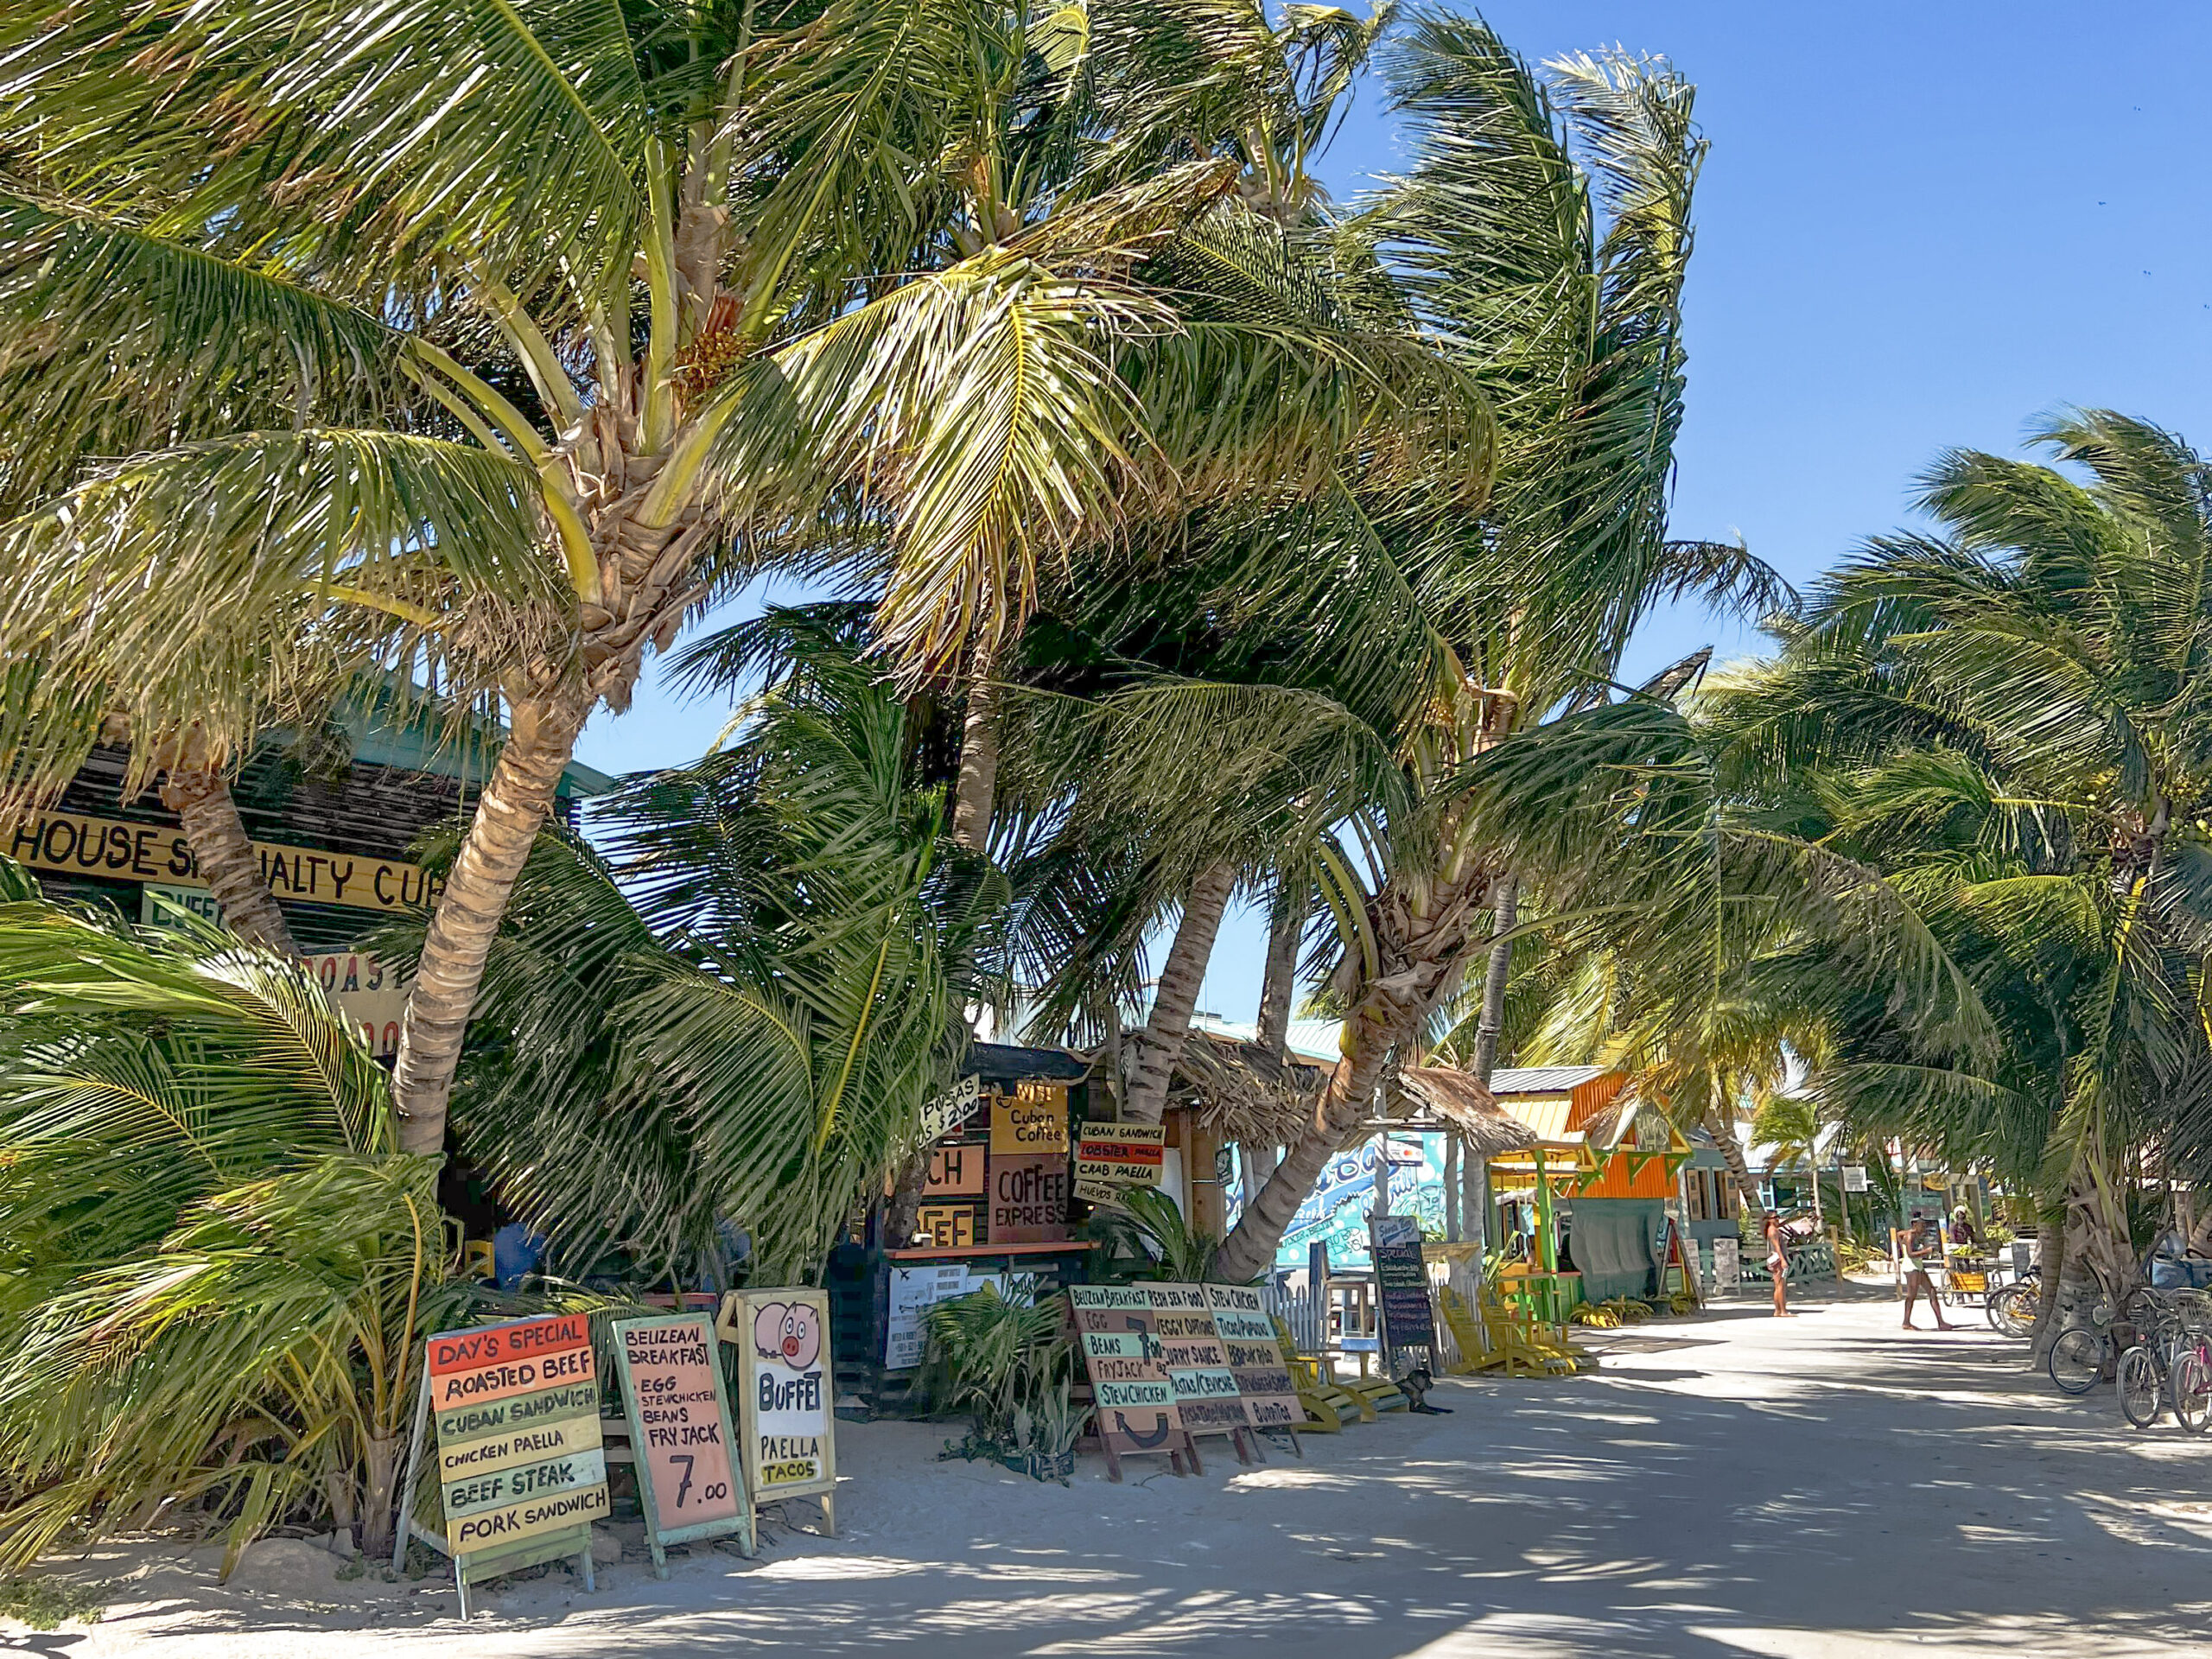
1919,227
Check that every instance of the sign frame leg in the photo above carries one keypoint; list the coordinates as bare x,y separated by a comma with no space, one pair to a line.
405,1529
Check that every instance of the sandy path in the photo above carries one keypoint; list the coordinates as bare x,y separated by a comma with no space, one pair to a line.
1820,1486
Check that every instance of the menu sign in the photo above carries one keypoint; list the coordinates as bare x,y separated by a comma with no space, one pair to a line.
1247,1337
690,1486
1196,1364
516,1408
1120,1154
1402,1281
1136,1408
1031,1120
785,1408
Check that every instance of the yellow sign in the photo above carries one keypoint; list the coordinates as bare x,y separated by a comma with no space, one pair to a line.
511,1448
151,852
1034,1119
950,1226
547,1512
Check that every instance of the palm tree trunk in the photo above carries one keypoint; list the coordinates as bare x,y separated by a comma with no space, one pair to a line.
2059,1266
1160,1045
200,797
1279,981
1423,952
379,1499
1495,974
509,813
1720,1126
974,795
1348,1098
1278,998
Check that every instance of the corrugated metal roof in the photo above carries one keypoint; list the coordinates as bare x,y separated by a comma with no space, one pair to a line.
1543,1080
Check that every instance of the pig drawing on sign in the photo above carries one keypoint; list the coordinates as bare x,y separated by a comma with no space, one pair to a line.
790,1332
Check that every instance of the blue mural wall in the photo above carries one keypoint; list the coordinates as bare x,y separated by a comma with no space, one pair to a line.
1335,1210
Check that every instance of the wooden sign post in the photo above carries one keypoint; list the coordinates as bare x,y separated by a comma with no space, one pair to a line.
691,1481
785,1400
521,1475
1133,1403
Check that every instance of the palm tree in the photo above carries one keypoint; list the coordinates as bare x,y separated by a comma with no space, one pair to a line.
216,1275
2009,717
747,1028
1571,320
858,286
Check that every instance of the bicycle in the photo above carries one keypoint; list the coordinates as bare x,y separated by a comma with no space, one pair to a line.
2012,1310
2079,1357
2172,1366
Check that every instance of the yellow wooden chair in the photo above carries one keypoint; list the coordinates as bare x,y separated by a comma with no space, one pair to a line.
1466,1336
1513,1343
1328,1407
1380,1393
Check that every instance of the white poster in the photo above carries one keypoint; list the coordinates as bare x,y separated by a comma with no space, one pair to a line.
914,1291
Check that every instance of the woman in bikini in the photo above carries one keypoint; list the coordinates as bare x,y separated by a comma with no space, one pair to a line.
1916,1248
1777,1263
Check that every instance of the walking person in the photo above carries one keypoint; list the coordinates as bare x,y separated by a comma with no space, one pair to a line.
1916,1248
1777,1263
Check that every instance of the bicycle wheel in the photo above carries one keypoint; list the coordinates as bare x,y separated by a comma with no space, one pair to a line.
2192,1382
2077,1360
2138,1387
2012,1310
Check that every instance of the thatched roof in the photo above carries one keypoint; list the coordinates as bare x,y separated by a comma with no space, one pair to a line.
1243,1091
1460,1100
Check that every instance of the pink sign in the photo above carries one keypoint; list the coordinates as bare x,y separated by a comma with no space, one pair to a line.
685,1440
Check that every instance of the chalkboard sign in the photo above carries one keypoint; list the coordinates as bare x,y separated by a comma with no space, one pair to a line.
689,1481
1401,1285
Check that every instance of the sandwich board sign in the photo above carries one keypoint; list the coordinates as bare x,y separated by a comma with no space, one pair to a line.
1401,1287
1206,1395
1247,1337
521,1472
1133,1403
786,1404
690,1483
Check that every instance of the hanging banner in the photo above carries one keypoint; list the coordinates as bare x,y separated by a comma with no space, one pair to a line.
1248,1339
519,1454
785,1403
1033,1119
1206,1395
688,1480
119,850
